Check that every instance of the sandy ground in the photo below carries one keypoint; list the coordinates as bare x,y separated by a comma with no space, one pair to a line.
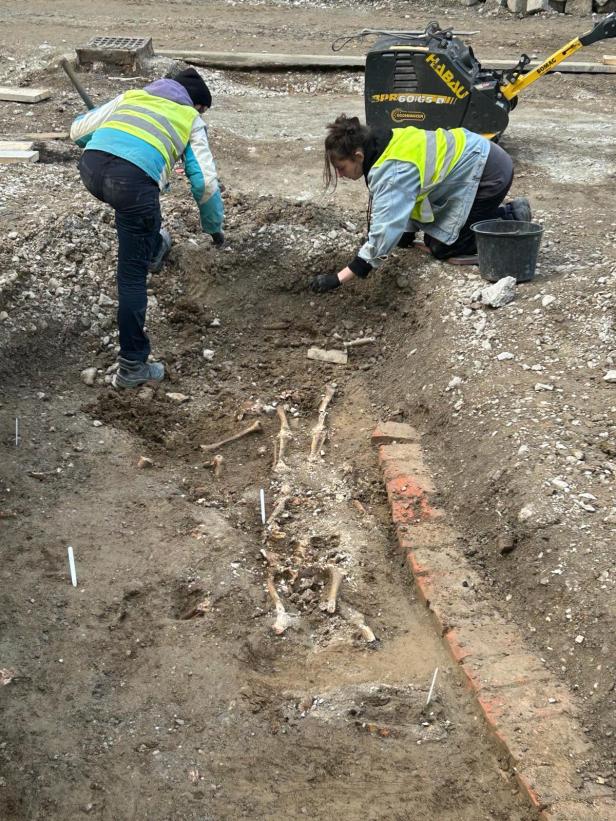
157,689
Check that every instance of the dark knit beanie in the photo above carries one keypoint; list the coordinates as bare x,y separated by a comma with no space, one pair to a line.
195,85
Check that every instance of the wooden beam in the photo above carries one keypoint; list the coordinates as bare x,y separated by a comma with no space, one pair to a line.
11,157
609,59
277,62
24,95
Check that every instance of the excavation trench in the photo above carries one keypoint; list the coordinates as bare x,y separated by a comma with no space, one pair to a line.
210,665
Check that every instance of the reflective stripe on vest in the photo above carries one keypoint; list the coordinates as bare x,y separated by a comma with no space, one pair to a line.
434,153
160,122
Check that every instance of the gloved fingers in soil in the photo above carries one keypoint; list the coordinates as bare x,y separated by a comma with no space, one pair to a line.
322,283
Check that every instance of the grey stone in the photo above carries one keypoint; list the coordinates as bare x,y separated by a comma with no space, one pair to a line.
578,7
497,295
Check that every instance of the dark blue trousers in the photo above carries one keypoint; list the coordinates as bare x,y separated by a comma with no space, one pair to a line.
135,197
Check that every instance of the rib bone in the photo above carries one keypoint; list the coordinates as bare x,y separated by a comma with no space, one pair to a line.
336,576
318,432
256,427
283,437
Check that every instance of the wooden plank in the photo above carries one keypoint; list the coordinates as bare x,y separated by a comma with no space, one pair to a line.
11,157
609,59
24,95
239,59
15,145
272,62
45,135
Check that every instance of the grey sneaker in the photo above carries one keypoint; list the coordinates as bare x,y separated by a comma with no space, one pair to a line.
132,373
165,246
520,208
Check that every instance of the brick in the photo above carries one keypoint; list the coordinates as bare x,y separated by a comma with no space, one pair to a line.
387,432
483,641
429,535
596,810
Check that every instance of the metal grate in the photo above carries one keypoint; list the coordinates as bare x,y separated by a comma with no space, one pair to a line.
124,43
405,77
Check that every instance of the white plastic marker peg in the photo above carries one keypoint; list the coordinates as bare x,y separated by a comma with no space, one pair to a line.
429,699
16,431
262,500
71,564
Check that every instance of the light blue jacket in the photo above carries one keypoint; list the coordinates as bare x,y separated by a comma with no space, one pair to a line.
394,186
197,157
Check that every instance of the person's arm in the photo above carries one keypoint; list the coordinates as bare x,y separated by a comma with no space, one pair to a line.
394,189
85,125
201,173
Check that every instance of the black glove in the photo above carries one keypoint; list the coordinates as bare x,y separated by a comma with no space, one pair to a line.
324,282
218,239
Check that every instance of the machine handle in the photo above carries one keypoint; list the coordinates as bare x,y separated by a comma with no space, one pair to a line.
79,88
606,28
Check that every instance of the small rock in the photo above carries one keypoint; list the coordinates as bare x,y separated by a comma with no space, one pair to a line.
97,423
504,355
208,354
3,316
542,386
146,393
579,639
610,376
103,299
548,299
215,323
144,463
454,382
88,376
499,294
178,398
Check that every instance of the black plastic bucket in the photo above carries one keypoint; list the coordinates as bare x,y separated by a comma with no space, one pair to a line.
507,248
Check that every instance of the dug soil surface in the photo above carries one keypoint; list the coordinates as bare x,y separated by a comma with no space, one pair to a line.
156,688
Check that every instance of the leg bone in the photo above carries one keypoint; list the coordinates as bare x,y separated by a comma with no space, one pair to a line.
318,432
335,576
256,427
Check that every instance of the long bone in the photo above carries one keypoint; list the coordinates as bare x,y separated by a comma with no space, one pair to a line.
256,427
357,619
318,432
335,579
283,619
283,437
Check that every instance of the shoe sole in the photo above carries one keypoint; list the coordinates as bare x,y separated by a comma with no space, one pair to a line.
121,385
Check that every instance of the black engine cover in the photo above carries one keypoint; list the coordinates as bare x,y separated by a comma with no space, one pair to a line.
431,81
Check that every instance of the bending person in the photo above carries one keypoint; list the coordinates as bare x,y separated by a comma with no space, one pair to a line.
132,144
440,182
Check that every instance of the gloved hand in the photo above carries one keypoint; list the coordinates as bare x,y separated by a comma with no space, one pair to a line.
324,282
218,239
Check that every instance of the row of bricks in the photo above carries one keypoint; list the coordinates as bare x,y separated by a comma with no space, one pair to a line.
531,716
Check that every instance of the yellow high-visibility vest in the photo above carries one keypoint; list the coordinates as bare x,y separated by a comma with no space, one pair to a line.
160,122
434,153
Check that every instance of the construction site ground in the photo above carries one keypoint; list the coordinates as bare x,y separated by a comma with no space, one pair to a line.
157,689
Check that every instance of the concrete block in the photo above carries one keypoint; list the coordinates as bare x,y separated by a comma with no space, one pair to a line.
517,6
